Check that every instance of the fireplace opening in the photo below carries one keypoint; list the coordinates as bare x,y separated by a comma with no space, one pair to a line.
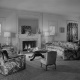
28,45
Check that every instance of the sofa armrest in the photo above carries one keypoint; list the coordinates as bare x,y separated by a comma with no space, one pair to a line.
13,65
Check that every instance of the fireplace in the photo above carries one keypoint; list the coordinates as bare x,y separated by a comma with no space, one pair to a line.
26,42
28,45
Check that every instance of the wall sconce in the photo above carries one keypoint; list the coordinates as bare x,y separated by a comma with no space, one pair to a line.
7,35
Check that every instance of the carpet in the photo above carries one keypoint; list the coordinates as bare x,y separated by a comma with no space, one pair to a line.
66,70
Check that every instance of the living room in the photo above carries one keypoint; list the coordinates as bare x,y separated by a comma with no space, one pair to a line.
10,17
9,21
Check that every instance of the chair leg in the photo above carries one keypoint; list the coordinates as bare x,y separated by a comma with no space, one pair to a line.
41,64
46,67
55,66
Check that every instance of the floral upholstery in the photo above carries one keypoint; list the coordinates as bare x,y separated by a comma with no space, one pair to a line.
12,51
59,50
12,65
63,48
66,45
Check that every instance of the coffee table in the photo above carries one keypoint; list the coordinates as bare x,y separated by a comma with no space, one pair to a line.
38,53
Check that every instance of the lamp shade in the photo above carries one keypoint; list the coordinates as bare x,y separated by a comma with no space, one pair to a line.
7,34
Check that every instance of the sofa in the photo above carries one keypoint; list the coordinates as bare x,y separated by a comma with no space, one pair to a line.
66,50
12,65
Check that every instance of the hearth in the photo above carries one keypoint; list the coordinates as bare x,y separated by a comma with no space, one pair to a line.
28,45
29,41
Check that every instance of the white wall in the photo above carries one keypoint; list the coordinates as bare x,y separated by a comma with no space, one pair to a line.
2,21
76,19
9,22
57,21
29,22
9,19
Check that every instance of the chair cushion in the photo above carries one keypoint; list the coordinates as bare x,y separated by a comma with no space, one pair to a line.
43,61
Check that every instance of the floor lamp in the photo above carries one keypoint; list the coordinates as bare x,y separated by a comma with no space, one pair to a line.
7,35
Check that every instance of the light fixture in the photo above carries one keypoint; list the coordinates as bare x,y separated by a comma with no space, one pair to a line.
7,35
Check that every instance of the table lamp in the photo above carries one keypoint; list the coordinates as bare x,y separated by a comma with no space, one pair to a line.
7,35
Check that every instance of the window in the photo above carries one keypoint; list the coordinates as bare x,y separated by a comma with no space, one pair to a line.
0,29
52,30
46,33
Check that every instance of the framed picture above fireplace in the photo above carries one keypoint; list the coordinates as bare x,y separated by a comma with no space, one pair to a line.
26,30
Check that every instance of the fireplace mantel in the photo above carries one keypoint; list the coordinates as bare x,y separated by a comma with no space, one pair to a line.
24,37
31,36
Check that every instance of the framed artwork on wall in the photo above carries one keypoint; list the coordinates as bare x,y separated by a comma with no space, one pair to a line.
26,30
62,29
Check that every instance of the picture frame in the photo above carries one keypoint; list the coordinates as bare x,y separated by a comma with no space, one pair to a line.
62,29
26,30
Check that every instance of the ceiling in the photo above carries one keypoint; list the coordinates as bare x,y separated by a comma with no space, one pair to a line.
64,7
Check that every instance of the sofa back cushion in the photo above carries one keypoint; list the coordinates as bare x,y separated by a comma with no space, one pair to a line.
65,44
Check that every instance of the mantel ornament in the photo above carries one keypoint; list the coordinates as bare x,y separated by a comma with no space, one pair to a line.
26,30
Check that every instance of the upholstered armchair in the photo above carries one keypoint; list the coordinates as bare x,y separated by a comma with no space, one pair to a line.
12,65
50,59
